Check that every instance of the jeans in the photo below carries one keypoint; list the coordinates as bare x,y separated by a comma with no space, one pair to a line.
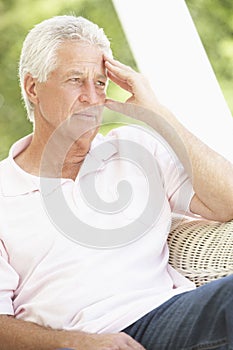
198,319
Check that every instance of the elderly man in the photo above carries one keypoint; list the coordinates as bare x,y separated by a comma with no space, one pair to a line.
71,274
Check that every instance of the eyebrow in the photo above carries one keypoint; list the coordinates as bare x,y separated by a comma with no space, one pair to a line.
80,74
74,72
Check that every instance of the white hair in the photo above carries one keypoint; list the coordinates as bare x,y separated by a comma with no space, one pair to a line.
38,55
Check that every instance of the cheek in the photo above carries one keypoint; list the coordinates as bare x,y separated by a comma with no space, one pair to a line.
62,101
54,104
102,96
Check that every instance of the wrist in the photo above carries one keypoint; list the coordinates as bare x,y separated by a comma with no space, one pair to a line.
71,340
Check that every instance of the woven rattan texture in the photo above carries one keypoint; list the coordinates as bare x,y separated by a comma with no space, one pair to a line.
201,250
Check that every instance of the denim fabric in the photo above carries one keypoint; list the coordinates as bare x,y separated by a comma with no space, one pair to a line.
198,319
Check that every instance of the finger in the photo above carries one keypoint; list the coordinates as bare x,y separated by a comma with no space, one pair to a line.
131,109
118,71
115,106
132,343
114,77
128,109
117,63
120,77
127,75
120,82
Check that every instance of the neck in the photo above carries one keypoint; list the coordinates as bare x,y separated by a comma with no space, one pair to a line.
54,157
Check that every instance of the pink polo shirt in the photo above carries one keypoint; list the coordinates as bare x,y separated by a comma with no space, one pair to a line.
50,278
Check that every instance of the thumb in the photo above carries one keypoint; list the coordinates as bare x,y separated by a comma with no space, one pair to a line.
126,108
112,104
121,107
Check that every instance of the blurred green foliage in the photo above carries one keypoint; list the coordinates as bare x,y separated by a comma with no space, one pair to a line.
214,22
213,18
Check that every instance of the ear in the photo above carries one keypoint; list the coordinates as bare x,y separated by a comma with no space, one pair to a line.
30,88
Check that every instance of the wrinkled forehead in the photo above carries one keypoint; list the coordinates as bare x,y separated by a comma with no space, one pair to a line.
80,56
79,51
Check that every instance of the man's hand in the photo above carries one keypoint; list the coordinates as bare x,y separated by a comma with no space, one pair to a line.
133,82
211,174
118,341
18,334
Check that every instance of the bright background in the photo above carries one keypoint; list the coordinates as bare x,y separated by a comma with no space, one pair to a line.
213,20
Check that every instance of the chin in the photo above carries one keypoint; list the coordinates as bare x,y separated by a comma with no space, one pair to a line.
85,139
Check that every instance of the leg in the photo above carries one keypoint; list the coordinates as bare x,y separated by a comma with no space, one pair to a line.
199,319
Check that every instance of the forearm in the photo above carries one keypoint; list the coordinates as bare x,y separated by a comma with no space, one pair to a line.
20,335
211,174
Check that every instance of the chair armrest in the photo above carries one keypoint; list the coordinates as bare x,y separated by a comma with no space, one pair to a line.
201,250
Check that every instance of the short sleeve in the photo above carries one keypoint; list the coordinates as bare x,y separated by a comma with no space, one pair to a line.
177,184
8,283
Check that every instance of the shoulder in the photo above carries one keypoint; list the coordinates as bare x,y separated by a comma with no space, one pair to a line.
129,131
4,172
136,133
146,137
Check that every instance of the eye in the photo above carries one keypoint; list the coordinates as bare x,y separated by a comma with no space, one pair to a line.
101,84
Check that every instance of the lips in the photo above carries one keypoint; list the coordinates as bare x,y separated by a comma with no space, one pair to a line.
91,113
85,116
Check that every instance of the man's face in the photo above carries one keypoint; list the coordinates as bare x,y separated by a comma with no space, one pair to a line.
77,83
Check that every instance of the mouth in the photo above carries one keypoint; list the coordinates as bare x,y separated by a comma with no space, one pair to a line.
85,116
91,114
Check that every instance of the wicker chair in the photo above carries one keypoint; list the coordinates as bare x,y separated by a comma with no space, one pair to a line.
201,250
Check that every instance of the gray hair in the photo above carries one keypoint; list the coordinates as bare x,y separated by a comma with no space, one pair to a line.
38,55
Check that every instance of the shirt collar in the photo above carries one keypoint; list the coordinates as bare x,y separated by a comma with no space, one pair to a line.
15,181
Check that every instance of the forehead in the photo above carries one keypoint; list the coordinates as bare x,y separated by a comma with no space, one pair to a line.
78,53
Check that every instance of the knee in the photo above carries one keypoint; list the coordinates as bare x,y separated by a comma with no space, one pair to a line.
225,286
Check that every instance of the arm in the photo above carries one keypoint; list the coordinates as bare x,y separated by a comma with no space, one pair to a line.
20,335
211,174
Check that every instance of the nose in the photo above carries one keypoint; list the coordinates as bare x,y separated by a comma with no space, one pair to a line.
89,94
